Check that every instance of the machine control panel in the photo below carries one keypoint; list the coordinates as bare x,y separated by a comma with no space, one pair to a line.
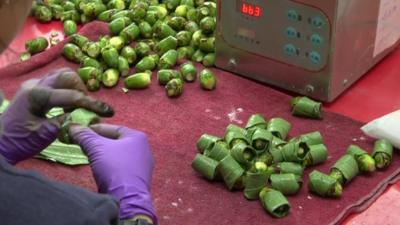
284,30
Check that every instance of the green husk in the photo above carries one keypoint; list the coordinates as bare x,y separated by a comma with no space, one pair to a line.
290,167
256,120
287,183
231,172
205,166
305,107
317,154
234,137
217,151
274,202
64,153
365,162
294,152
243,153
324,185
279,127
277,155
347,166
382,154
313,138
261,140
78,116
254,182
205,141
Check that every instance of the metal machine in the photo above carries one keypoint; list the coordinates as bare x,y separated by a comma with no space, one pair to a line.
312,47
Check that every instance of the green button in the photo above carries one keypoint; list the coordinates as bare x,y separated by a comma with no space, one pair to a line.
291,32
315,57
317,22
292,15
316,39
289,49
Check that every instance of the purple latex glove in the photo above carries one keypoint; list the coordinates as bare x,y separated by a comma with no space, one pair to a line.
122,165
24,128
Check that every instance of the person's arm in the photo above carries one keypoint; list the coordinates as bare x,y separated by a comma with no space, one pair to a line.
28,198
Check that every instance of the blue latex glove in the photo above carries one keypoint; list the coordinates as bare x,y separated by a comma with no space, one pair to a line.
24,128
122,165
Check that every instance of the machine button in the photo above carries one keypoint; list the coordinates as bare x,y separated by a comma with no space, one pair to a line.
291,32
317,22
290,49
316,39
315,57
292,15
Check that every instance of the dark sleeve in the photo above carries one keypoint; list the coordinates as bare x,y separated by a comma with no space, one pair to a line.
28,198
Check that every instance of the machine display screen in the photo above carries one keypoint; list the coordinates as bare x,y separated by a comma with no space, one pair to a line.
250,9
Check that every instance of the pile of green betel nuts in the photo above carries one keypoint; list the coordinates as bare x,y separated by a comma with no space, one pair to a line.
165,33
260,160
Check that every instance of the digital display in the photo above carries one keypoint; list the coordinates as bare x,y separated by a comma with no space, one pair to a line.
250,9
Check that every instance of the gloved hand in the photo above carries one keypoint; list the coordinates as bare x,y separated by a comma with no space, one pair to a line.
24,128
122,165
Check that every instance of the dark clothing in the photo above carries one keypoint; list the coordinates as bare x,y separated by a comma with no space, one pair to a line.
26,198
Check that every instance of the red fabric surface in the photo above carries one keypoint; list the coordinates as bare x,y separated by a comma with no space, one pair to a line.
180,195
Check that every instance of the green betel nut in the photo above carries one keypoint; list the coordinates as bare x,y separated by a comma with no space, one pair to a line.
168,59
231,171
188,71
164,76
287,183
254,183
147,63
110,78
174,88
324,185
274,202
347,166
305,107
383,152
205,166
87,73
138,80
208,80
36,45
365,162
279,127
166,44
70,27
73,53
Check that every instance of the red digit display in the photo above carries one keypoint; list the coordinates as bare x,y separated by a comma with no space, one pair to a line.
251,9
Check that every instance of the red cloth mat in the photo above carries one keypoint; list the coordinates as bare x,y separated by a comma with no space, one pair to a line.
180,195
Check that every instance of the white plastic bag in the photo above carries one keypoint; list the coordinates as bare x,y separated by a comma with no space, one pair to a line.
386,127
